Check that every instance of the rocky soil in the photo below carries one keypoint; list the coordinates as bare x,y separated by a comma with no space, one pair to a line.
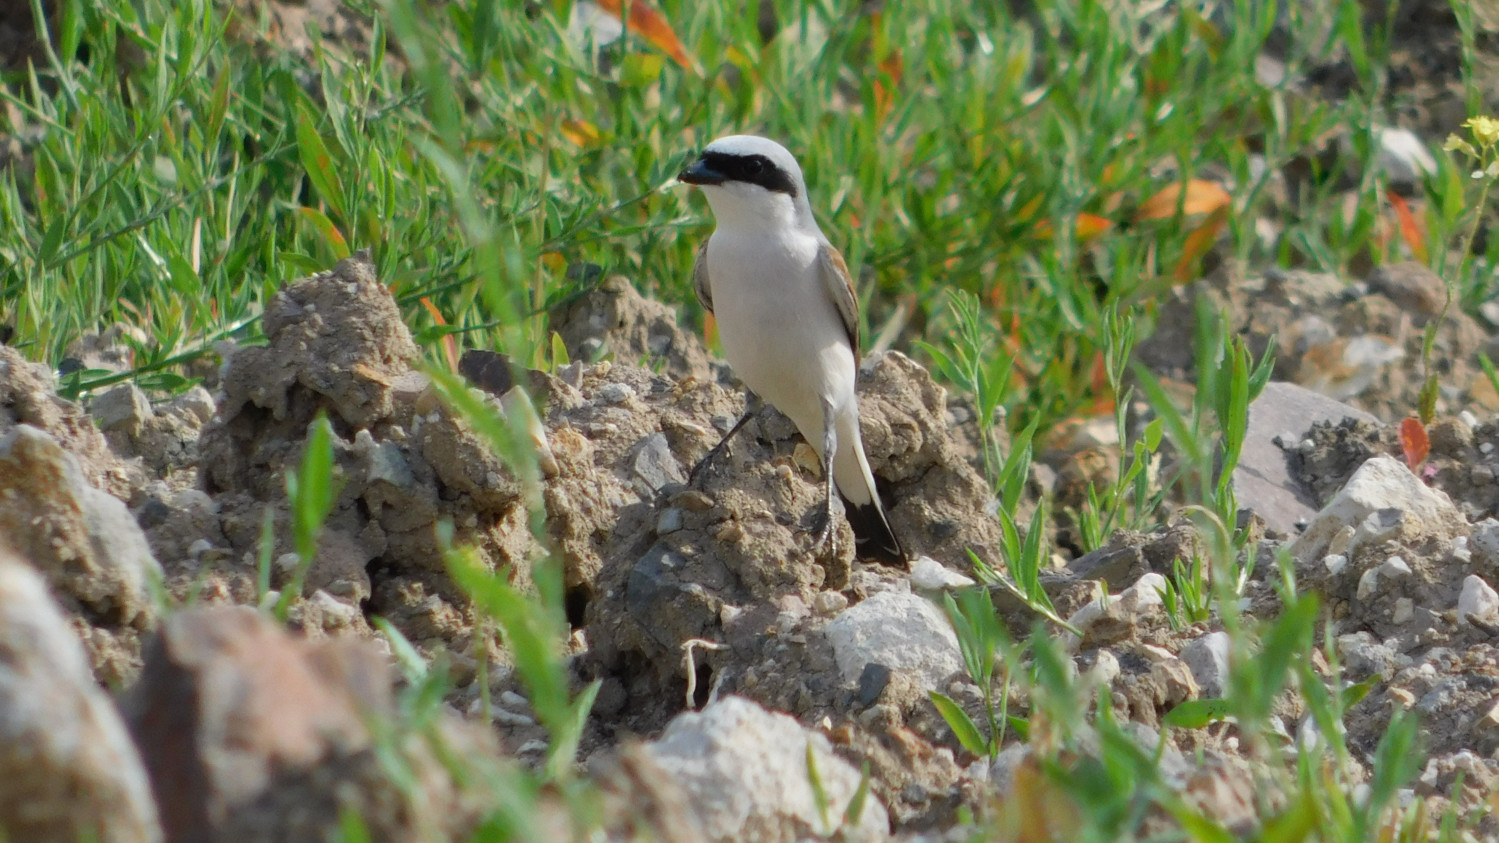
145,694
719,638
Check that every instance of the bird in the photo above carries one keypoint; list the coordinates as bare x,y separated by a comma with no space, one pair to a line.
788,320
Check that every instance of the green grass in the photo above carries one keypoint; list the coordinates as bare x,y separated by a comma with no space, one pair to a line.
988,173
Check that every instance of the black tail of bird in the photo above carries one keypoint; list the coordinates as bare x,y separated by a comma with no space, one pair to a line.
873,538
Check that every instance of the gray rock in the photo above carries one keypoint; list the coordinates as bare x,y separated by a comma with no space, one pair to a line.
68,771
1382,483
1364,655
197,401
745,771
1484,543
615,393
1261,480
1207,656
654,464
900,631
125,407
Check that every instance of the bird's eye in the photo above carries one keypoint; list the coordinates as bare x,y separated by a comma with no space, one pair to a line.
755,165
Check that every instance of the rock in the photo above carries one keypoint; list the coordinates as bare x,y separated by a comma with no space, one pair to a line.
654,465
123,407
84,540
1477,602
250,734
334,335
1174,682
1382,483
614,317
1282,414
900,631
1207,656
940,502
1411,285
68,770
927,574
27,396
110,350
1402,157
1484,543
1105,620
746,773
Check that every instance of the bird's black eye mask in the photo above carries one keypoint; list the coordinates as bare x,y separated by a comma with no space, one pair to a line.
754,169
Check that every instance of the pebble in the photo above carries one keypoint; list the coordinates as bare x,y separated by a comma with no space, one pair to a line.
1478,601
669,521
1459,551
927,574
1404,610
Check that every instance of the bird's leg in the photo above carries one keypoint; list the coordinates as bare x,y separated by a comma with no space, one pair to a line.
829,446
750,406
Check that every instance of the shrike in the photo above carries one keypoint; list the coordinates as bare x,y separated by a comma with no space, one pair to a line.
788,319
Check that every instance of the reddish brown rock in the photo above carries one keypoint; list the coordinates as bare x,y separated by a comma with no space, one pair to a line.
250,734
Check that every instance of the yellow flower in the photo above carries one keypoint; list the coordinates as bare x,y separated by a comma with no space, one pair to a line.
1485,130
1455,143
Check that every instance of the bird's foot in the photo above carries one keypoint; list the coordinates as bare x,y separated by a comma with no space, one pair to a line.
823,527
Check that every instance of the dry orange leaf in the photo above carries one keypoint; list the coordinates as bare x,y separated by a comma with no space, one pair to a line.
710,330
884,97
1198,243
449,345
1413,442
1025,212
580,132
1202,197
1089,226
652,26
1086,227
1412,229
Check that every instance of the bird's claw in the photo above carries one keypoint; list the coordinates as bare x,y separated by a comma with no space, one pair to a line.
822,527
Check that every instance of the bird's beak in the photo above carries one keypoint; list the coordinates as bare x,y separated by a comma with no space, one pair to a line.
700,174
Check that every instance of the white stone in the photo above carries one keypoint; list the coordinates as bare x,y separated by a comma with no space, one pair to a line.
1395,566
1368,581
1006,765
1404,610
1144,595
337,613
1381,483
898,630
1335,563
927,574
1460,551
745,772
1402,156
1478,601
1105,669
